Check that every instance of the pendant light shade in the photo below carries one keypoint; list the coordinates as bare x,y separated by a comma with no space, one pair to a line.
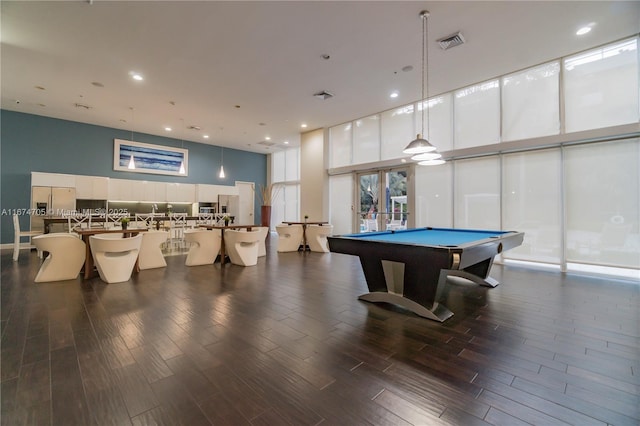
431,162
222,175
182,171
426,156
420,145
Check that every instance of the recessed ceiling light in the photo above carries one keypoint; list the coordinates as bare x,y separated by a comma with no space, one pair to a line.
136,75
205,136
286,142
168,129
583,30
303,125
267,138
394,94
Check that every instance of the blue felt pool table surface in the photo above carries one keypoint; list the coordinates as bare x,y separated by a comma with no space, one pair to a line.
430,236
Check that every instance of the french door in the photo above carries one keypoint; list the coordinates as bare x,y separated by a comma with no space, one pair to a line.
382,202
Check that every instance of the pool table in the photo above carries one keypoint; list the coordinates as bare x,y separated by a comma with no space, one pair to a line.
410,267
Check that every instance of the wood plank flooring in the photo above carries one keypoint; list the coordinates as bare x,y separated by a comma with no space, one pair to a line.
287,343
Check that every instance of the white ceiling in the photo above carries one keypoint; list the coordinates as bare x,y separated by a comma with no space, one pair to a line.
202,59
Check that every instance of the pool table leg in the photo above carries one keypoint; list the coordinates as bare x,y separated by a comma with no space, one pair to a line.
478,273
418,289
437,312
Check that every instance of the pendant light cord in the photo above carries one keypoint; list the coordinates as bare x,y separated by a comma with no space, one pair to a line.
425,60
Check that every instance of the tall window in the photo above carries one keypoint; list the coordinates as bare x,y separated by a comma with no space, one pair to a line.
285,176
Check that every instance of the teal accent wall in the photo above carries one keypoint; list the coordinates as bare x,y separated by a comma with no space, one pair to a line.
41,144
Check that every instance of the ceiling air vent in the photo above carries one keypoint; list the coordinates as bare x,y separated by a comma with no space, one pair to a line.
265,143
450,41
323,95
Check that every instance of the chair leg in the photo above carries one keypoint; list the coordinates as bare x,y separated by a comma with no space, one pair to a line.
16,248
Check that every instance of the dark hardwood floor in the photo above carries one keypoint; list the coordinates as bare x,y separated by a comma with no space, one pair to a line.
287,343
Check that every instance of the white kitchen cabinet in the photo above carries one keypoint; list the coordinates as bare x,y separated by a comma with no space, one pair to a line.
181,192
206,193
53,179
154,191
92,188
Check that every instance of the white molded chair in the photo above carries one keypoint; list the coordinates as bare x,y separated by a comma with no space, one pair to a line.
66,256
17,234
115,258
205,246
317,237
262,244
289,237
150,250
242,246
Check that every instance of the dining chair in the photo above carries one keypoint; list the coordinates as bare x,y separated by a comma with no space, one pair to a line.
242,246
76,221
112,220
150,250
317,237
205,219
144,220
65,259
115,258
289,237
204,246
18,234
177,226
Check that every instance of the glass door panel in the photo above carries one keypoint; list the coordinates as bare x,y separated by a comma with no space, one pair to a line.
396,199
382,200
368,199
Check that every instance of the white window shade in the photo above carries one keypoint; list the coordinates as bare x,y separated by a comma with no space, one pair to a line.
434,196
477,193
397,131
366,140
601,87
531,203
603,203
477,115
340,144
531,103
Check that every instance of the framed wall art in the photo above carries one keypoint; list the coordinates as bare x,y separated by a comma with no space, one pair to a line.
138,157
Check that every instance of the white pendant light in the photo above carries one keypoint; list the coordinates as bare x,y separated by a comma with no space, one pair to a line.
221,175
132,164
420,145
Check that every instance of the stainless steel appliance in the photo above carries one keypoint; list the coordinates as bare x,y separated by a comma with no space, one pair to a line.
50,201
